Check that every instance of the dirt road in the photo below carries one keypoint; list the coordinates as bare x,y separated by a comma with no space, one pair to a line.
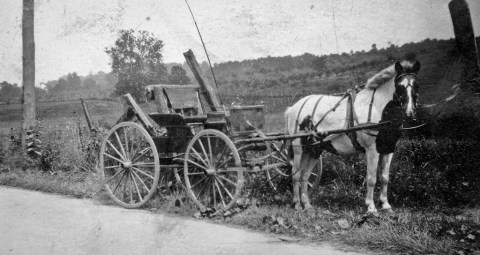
38,223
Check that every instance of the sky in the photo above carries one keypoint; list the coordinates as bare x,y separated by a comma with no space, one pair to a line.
71,35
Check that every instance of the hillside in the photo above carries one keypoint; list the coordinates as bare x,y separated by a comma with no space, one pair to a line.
254,80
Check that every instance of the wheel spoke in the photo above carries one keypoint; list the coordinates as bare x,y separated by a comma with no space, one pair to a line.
127,152
220,192
197,173
136,186
142,153
112,157
115,175
130,187
120,143
210,150
121,179
223,186
145,164
203,178
110,167
140,179
200,158
214,193
194,163
227,180
204,152
219,158
116,151
142,172
224,163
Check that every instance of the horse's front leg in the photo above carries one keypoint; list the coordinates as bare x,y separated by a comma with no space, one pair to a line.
372,163
384,164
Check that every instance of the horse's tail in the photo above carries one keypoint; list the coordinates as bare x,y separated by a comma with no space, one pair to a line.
287,112
288,142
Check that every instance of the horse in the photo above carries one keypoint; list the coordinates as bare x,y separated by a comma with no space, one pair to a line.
388,96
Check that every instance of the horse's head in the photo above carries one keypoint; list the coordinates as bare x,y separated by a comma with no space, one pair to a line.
406,88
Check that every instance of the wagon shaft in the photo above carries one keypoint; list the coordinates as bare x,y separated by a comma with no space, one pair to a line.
323,133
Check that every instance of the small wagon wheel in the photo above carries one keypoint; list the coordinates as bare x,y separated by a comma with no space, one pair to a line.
213,175
279,178
129,165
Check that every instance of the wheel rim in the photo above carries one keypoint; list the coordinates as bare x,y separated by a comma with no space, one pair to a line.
280,178
129,165
212,173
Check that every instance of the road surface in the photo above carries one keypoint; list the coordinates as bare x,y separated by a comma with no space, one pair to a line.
38,223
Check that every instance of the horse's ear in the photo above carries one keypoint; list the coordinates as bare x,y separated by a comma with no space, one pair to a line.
416,67
398,67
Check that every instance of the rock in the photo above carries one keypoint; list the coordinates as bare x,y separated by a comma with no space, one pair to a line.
471,237
343,223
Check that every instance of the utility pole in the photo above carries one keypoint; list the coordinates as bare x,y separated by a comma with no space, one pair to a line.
28,74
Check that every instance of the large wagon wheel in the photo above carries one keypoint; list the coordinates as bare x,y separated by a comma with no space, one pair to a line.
280,178
213,175
129,165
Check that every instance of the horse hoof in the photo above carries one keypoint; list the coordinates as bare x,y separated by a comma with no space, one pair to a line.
298,207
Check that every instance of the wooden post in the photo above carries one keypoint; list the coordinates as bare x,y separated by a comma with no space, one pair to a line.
28,72
87,116
208,92
465,39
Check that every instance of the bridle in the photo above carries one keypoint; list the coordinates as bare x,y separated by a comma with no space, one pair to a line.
395,95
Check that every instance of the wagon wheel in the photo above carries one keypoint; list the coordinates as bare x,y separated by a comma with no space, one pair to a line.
129,165
213,176
280,178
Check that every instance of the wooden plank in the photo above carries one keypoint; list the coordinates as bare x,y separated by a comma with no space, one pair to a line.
209,93
324,133
140,114
87,116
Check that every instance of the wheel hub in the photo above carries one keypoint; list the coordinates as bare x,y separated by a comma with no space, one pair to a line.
210,171
127,164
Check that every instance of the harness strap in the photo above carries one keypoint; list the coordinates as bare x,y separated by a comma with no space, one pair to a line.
315,107
370,106
351,118
331,110
300,111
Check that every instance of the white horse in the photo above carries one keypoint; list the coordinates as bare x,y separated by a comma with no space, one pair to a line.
390,95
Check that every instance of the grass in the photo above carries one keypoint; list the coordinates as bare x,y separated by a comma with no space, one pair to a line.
434,190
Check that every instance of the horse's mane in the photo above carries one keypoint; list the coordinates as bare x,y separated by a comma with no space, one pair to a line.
386,75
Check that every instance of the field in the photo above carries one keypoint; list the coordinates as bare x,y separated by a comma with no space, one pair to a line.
434,188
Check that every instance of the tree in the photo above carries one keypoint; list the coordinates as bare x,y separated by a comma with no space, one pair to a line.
374,48
89,83
178,75
319,64
61,85
9,92
137,62
73,81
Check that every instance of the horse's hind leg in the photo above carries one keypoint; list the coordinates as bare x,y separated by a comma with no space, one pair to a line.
372,163
308,163
384,164
296,172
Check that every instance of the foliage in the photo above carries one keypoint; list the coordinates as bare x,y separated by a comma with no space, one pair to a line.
9,91
178,75
137,61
